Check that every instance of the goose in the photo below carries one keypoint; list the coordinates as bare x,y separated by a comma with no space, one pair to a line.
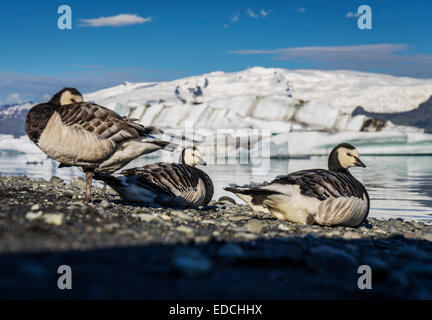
166,184
89,136
326,197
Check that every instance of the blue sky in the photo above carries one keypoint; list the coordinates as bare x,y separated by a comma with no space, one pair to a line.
164,40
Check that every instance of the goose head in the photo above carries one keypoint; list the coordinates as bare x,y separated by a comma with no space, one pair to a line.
344,156
66,96
191,156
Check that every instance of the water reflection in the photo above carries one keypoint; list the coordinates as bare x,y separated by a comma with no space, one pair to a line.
398,186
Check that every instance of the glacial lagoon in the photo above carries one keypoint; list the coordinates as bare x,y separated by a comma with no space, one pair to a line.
399,186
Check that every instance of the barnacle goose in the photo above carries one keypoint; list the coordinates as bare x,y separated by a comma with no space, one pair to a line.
166,184
86,135
326,197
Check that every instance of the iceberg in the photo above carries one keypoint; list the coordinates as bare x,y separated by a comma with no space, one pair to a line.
290,113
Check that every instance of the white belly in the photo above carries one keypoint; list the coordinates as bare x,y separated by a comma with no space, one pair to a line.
71,145
290,204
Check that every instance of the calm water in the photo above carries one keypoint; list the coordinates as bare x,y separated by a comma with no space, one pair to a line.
398,186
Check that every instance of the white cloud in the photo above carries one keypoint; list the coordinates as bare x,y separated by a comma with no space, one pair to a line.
265,13
252,14
386,58
301,9
256,15
234,18
262,13
114,21
13,98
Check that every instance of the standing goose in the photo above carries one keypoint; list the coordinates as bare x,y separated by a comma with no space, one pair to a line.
327,197
167,184
87,135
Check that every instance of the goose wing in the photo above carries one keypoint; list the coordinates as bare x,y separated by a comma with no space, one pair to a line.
323,184
100,121
177,179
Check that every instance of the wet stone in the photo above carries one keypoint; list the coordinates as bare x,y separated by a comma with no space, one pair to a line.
79,182
254,226
56,181
191,262
231,250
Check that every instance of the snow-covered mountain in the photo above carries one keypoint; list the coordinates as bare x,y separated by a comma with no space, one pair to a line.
12,118
287,112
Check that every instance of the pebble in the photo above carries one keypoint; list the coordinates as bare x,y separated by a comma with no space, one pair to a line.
165,217
105,204
284,227
231,250
53,218
31,215
191,262
254,226
181,215
238,218
56,181
427,236
184,229
352,235
202,239
102,212
331,233
304,228
112,226
417,225
145,217
208,222
35,207
79,182
246,236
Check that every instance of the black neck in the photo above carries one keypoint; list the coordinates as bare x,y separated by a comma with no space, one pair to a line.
334,164
37,119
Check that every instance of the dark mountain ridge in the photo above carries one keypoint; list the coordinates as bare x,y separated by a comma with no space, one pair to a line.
421,117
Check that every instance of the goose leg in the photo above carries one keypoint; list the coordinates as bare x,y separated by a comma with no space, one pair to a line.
89,179
103,190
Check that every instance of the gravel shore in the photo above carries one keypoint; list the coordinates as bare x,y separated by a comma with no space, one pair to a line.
119,250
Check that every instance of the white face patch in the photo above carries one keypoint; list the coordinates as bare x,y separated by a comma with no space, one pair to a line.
347,157
67,98
192,157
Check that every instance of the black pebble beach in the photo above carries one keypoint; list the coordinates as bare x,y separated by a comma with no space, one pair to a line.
222,251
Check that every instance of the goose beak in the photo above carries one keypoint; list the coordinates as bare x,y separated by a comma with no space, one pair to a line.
359,163
202,162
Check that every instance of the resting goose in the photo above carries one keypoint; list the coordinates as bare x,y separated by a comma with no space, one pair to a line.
327,197
167,184
86,135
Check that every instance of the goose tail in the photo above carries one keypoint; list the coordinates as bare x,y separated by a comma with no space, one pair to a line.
254,197
166,145
108,179
250,191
